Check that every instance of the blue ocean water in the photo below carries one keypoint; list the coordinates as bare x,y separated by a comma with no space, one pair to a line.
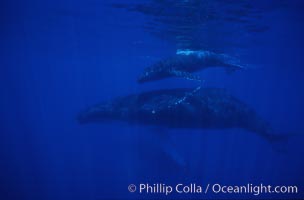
59,57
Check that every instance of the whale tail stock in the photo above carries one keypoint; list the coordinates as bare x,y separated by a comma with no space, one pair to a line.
281,141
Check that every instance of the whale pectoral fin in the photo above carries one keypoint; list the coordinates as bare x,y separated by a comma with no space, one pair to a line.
184,74
164,140
169,148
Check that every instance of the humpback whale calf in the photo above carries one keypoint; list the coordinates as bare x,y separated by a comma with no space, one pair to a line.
206,108
185,62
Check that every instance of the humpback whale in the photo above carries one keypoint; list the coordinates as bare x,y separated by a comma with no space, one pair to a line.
206,108
187,61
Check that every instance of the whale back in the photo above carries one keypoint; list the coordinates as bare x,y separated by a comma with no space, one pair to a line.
211,108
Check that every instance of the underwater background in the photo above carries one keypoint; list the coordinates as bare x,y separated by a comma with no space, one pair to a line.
59,57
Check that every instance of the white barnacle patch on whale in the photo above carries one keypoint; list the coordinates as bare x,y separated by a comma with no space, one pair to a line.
185,52
188,52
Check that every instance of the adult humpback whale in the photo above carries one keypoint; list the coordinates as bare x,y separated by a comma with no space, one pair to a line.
185,62
206,108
